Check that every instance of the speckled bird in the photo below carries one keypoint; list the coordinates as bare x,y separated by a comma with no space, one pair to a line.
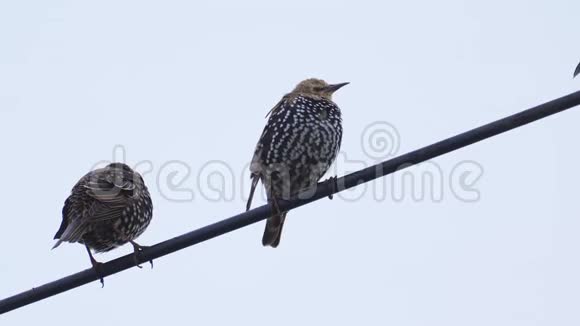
577,71
298,145
107,208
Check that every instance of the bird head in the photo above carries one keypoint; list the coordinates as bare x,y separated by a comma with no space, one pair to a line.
122,176
317,88
119,166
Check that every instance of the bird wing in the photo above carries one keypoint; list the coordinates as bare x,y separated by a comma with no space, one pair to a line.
72,213
256,166
98,196
65,218
278,105
110,194
267,137
254,179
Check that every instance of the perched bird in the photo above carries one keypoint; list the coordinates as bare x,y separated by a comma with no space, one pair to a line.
107,208
299,143
577,71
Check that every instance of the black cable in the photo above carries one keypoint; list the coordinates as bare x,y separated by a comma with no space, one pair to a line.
323,190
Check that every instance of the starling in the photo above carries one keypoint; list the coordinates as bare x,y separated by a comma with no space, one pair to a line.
107,208
299,143
577,71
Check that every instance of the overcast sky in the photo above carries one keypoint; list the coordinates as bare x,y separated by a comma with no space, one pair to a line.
180,90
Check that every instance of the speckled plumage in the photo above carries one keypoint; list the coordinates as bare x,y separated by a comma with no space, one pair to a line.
298,145
107,208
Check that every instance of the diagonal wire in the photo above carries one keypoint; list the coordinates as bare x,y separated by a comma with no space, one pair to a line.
322,190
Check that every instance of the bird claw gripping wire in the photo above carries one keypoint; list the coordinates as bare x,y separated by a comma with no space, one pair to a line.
97,267
138,249
333,186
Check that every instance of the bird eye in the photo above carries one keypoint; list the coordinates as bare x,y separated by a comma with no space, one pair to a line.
317,89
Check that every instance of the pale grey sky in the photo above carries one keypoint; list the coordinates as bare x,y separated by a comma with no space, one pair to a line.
180,82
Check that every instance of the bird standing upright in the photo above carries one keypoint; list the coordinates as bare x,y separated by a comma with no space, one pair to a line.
577,71
107,208
298,145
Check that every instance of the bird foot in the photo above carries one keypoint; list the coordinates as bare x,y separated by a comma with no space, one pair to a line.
98,268
138,250
333,185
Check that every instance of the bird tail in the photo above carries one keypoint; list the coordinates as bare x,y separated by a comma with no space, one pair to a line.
69,233
57,244
273,230
255,179
59,233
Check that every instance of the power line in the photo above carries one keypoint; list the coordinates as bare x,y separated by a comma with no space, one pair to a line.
323,190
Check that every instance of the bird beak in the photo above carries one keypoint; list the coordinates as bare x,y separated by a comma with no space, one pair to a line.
577,71
334,87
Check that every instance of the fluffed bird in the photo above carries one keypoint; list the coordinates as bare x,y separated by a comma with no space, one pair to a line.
107,208
298,145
